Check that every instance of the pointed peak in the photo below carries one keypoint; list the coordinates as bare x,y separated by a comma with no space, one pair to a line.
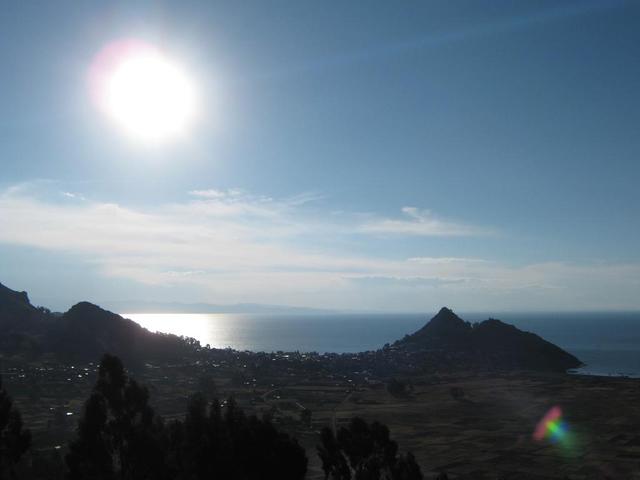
445,326
446,315
445,311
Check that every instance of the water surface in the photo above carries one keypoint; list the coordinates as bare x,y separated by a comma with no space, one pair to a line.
609,343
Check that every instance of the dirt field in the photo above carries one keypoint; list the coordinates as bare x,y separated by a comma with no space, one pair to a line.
484,432
487,434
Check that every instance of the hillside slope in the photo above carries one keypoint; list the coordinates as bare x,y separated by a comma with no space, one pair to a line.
491,342
83,333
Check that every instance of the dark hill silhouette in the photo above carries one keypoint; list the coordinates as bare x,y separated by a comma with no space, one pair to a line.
444,330
21,324
85,333
16,310
93,331
490,342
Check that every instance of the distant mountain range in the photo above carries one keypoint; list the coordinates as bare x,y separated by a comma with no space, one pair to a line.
135,306
86,331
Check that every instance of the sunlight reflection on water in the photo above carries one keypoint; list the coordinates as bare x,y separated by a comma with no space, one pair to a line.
215,329
270,332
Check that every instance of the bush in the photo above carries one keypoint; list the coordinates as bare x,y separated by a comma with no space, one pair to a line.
397,388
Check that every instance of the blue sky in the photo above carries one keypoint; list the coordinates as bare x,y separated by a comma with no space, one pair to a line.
367,156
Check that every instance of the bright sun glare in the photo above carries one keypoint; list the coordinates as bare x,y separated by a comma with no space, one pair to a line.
146,93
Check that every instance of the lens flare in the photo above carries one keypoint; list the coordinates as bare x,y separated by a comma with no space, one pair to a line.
554,429
143,91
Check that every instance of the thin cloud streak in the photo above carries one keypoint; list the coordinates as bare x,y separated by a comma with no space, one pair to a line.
421,223
438,39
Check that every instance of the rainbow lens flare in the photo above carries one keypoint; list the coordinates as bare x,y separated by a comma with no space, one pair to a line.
554,429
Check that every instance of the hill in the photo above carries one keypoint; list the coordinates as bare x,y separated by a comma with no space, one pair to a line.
22,325
490,343
15,309
83,333
86,331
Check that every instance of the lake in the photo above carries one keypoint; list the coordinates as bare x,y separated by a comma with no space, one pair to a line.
609,343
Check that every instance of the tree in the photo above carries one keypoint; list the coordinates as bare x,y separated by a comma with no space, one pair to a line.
14,439
217,442
121,438
119,435
407,468
334,463
90,455
364,452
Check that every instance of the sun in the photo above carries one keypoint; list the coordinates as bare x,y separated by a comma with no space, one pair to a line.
147,94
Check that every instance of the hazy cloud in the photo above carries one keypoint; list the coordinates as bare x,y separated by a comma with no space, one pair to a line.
444,260
421,223
76,196
247,248
209,193
402,282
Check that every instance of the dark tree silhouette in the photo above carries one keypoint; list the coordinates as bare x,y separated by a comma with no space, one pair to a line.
119,436
334,463
364,452
225,443
90,455
14,439
407,468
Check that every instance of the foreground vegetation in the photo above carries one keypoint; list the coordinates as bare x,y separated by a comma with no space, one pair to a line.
119,436
474,426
